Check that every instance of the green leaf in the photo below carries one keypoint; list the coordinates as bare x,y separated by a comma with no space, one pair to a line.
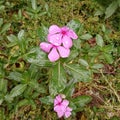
103,28
25,102
108,48
77,44
16,76
42,33
8,98
34,72
20,14
47,100
69,89
108,58
111,9
1,21
12,38
73,55
21,103
118,2
21,34
81,101
2,7
79,73
3,85
5,27
38,87
2,113
99,40
99,12
37,57
97,66
83,62
58,79
75,25
86,36
34,4
18,90
1,101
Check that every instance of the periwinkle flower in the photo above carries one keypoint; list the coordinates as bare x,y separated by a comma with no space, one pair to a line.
54,52
59,42
61,107
64,35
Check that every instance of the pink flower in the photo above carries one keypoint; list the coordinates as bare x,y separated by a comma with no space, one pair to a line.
58,36
61,107
68,112
55,52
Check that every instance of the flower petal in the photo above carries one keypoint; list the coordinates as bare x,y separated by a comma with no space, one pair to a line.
60,109
45,47
64,52
68,112
54,29
65,29
69,109
67,42
65,103
72,34
53,55
57,100
57,108
60,113
55,39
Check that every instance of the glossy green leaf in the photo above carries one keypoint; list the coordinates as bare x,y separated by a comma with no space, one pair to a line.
86,36
108,57
2,7
103,28
108,48
1,100
118,2
75,25
34,72
3,85
99,40
8,98
38,87
58,79
5,27
1,21
21,34
99,12
77,44
81,101
21,103
73,55
47,100
42,33
2,114
83,62
18,90
97,66
25,102
12,38
79,73
69,89
16,76
34,4
37,57
111,9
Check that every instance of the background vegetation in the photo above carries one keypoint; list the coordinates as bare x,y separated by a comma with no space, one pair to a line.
24,73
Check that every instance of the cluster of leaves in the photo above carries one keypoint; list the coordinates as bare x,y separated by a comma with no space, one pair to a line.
28,80
110,9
